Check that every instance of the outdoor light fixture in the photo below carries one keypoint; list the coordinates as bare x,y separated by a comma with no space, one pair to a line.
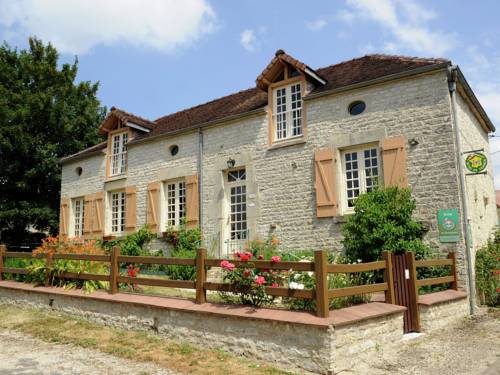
413,142
230,163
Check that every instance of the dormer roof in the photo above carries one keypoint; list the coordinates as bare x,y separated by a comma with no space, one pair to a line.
119,118
273,69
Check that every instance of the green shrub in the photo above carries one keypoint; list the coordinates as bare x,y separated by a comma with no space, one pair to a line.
488,272
134,244
185,243
382,220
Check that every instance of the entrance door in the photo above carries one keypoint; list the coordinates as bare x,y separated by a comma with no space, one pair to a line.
405,290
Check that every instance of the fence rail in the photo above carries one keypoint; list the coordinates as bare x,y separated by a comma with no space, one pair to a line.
320,266
450,261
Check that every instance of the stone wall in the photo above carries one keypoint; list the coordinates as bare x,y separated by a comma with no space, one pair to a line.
290,345
443,314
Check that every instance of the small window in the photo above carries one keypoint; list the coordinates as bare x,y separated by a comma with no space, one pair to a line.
357,108
174,150
78,217
118,212
175,199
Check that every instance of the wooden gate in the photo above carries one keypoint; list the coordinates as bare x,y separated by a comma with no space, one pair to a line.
405,289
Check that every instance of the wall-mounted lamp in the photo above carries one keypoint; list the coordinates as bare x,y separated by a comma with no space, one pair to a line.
230,163
413,142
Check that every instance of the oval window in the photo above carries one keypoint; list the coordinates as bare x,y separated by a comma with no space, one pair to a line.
356,108
79,171
174,150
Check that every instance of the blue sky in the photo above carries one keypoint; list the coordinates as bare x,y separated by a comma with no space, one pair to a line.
154,57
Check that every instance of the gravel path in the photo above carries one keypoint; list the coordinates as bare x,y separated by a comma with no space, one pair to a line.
23,355
471,348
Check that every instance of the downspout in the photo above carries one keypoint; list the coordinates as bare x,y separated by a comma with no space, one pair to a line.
200,176
452,86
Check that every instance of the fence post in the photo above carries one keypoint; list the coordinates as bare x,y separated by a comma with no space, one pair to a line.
114,270
201,276
48,266
321,275
453,257
412,268
3,249
389,278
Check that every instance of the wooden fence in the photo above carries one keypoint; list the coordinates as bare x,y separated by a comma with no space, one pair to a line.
320,266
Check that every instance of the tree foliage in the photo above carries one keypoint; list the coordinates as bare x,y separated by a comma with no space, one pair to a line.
488,272
382,220
44,115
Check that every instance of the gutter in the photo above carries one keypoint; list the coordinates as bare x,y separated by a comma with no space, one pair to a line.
453,74
200,177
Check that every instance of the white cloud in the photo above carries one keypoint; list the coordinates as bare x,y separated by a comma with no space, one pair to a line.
77,26
405,20
317,24
250,40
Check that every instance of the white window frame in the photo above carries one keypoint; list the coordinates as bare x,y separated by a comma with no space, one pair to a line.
118,154
288,111
77,217
362,172
117,211
173,203
235,240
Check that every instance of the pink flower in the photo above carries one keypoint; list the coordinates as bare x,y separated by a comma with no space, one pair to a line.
274,285
261,257
275,259
227,265
259,280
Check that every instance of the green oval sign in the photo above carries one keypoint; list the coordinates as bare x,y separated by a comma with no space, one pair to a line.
476,162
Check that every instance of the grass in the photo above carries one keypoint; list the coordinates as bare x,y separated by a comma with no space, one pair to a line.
140,346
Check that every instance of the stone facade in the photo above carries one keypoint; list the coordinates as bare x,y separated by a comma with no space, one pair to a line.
442,315
280,180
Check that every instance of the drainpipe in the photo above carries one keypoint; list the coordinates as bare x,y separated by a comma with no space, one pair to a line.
452,86
200,176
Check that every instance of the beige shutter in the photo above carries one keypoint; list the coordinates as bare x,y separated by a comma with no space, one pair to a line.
394,161
64,217
153,207
88,213
98,215
192,202
325,184
130,208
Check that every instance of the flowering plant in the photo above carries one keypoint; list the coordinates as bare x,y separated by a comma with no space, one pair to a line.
249,283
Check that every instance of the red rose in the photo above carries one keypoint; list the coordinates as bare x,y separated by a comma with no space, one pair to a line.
244,257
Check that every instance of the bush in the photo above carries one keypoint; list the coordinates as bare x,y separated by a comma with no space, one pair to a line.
185,243
382,220
488,272
134,244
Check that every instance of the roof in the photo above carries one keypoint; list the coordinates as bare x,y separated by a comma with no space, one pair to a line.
87,152
344,74
124,118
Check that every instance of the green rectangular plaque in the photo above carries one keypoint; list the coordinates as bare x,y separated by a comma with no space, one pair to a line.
448,225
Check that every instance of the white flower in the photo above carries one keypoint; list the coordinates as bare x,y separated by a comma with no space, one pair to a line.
310,273
294,285
297,276
359,260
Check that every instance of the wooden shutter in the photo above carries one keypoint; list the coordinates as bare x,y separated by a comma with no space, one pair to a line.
394,161
192,202
153,207
325,184
88,213
98,215
64,217
130,208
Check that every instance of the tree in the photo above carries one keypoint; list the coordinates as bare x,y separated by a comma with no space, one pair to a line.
44,115
382,220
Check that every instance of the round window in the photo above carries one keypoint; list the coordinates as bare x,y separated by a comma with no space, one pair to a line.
79,171
356,108
174,150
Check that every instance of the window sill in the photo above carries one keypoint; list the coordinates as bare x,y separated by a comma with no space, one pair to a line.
288,142
115,178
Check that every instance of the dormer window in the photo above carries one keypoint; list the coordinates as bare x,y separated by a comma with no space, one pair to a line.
118,155
288,111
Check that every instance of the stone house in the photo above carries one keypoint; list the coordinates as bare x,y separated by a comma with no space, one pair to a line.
288,157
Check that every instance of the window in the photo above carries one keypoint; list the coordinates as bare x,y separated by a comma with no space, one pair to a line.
288,111
118,212
237,205
361,173
175,196
356,108
174,150
78,217
118,162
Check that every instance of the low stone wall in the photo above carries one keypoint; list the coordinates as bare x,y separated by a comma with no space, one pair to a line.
440,312
290,345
